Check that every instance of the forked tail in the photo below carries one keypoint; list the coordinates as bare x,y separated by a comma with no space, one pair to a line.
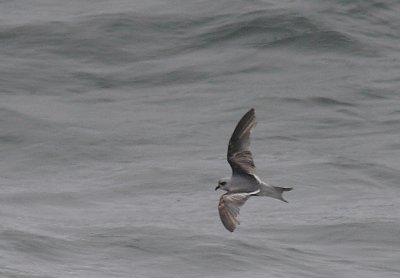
280,191
273,191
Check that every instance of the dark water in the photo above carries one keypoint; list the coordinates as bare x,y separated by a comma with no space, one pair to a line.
114,122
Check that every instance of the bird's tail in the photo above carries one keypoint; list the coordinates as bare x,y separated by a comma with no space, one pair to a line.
274,191
280,190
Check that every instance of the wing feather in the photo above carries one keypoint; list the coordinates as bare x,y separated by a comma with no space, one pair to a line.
229,207
239,155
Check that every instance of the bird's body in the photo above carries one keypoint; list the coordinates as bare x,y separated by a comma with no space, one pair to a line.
244,182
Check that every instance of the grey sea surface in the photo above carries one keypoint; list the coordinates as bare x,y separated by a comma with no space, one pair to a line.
115,118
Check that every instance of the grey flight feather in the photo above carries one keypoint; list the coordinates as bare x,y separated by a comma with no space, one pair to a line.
229,206
239,155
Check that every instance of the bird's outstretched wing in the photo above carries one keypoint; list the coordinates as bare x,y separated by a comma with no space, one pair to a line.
239,154
229,206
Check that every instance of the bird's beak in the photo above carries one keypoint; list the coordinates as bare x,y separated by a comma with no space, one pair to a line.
217,187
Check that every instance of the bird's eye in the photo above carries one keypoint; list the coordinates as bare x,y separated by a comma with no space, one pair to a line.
223,182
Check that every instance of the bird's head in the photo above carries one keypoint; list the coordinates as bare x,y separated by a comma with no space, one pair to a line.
223,184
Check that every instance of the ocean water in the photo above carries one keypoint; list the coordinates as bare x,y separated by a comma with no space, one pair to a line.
115,118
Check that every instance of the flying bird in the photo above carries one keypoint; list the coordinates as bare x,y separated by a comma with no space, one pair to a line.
244,182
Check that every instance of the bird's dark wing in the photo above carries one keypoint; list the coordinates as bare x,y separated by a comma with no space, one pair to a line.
239,155
229,206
